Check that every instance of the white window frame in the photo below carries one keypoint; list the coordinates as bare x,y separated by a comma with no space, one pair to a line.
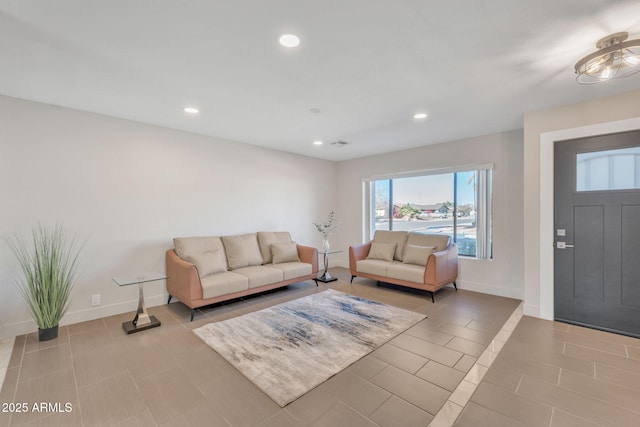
483,203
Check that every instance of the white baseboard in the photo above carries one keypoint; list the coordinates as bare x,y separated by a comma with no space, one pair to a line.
28,326
490,289
531,310
73,317
336,263
536,311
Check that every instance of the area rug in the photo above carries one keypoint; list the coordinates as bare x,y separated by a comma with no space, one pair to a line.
288,349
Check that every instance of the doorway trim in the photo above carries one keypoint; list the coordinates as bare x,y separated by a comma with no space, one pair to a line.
547,140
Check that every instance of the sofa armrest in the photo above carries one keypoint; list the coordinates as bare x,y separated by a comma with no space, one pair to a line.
183,280
357,253
442,267
309,255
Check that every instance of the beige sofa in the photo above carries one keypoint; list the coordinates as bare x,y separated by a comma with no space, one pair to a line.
422,261
207,270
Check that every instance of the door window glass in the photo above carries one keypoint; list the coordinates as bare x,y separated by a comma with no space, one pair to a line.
608,170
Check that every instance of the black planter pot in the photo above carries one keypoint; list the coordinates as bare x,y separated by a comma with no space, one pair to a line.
48,333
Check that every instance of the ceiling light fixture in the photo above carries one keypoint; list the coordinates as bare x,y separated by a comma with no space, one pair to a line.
420,116
289,40
614,59
317,142
191,110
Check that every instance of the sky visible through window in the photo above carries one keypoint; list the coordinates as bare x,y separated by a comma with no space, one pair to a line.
430,189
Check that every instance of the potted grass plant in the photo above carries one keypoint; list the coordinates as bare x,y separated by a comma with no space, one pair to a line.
49,263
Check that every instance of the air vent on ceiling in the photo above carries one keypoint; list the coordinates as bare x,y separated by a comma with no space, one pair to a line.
339,143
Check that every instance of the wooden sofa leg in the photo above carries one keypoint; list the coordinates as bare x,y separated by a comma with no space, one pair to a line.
433,300
193,312
352,277
169,299
455,286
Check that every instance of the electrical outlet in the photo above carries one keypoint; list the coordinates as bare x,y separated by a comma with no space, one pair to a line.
95,299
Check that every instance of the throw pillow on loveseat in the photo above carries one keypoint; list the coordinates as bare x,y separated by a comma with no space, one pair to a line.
417,260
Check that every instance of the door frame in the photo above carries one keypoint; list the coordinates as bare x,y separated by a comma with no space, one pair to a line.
547,141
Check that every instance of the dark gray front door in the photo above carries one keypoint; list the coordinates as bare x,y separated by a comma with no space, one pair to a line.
597,232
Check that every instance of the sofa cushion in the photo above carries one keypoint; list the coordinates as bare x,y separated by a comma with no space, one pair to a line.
187,247
284,252
224,283
417,254
259,275
372,266
291,270
397,237
382,251
268,238
439,241
408,272
242,250
208,262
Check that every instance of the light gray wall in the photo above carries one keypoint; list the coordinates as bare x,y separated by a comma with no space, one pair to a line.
500,276
130,188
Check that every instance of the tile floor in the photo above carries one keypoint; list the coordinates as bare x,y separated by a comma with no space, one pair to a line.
559,375
6,348
425,376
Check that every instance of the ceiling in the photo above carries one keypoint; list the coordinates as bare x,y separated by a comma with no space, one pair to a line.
362,70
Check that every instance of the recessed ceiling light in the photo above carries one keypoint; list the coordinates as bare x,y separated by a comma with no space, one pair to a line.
420,116
191,110
289,40
317,142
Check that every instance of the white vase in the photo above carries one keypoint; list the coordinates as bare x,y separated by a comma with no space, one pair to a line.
325,245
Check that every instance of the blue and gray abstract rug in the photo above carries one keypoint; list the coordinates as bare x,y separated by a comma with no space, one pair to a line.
288,349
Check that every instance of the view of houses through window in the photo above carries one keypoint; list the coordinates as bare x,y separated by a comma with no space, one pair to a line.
442,203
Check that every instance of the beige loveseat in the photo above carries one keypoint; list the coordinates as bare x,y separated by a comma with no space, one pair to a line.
206,270
422,261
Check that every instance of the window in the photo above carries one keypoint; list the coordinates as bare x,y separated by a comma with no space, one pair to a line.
454,203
